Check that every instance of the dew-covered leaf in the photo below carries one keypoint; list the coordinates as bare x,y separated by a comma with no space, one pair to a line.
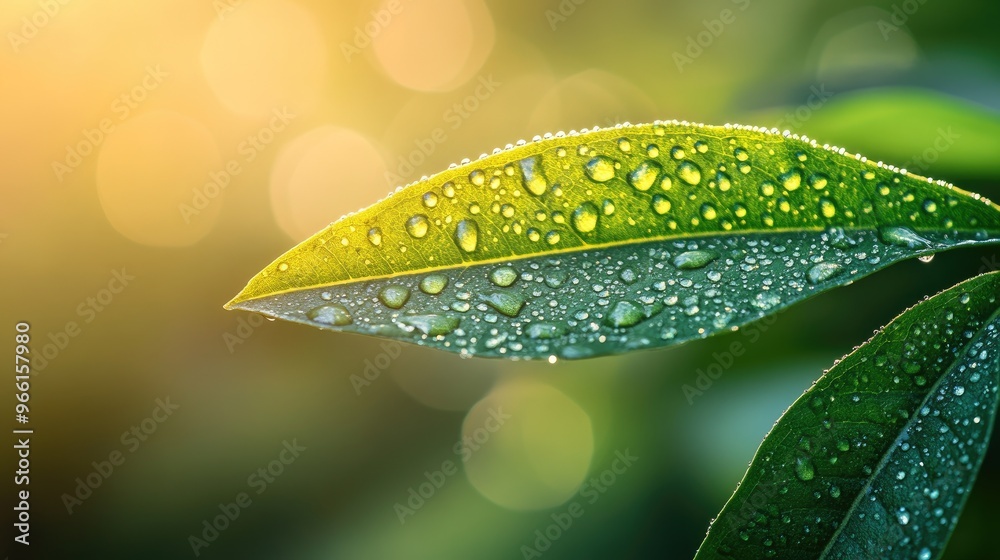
610,240
877,458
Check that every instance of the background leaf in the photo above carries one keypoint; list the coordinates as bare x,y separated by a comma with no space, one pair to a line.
611,240
877,458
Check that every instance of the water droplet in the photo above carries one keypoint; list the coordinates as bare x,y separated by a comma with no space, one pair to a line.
628,276
723,181
504,276
448,189
818,181
661,204
430,199
467,235
767,188
600,169
903,237
821,272
375,236
417,226
543,331
791,180
677,152
533,176
552,237
624,145
834,491
534,234
926,258
827,208
508,304
741,154
430,325
625,314
708,211
608,207
689,172
585,217
283,267
925,554
332,314
903,516
691,260
434,284
930,206
643,177
804,468
394,296
959,390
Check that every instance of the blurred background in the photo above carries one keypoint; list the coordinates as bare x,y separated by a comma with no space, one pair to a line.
155,155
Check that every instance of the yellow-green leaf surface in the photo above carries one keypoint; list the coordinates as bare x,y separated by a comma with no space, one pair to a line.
604,241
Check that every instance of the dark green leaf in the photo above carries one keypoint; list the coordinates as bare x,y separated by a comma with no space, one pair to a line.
877,458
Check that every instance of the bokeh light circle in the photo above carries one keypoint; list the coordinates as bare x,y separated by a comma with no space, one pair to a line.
322,175
528,446
264,55
160,179
435,45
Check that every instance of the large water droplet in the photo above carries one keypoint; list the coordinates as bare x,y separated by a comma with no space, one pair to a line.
504,276
430,199
903,237
585,217
430,325
434,284
690,260
533,176
394,296
600,169
804,468
375,236
625,314
332,314
477,178
689,172
508,304
543,330
823,271
644,176
708,211
791,180
827,208
417,226
467,235
661,204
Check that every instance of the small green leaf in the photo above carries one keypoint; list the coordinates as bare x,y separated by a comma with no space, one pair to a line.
877,458
605,241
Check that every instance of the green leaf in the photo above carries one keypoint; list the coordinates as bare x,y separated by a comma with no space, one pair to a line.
606,241
877,458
